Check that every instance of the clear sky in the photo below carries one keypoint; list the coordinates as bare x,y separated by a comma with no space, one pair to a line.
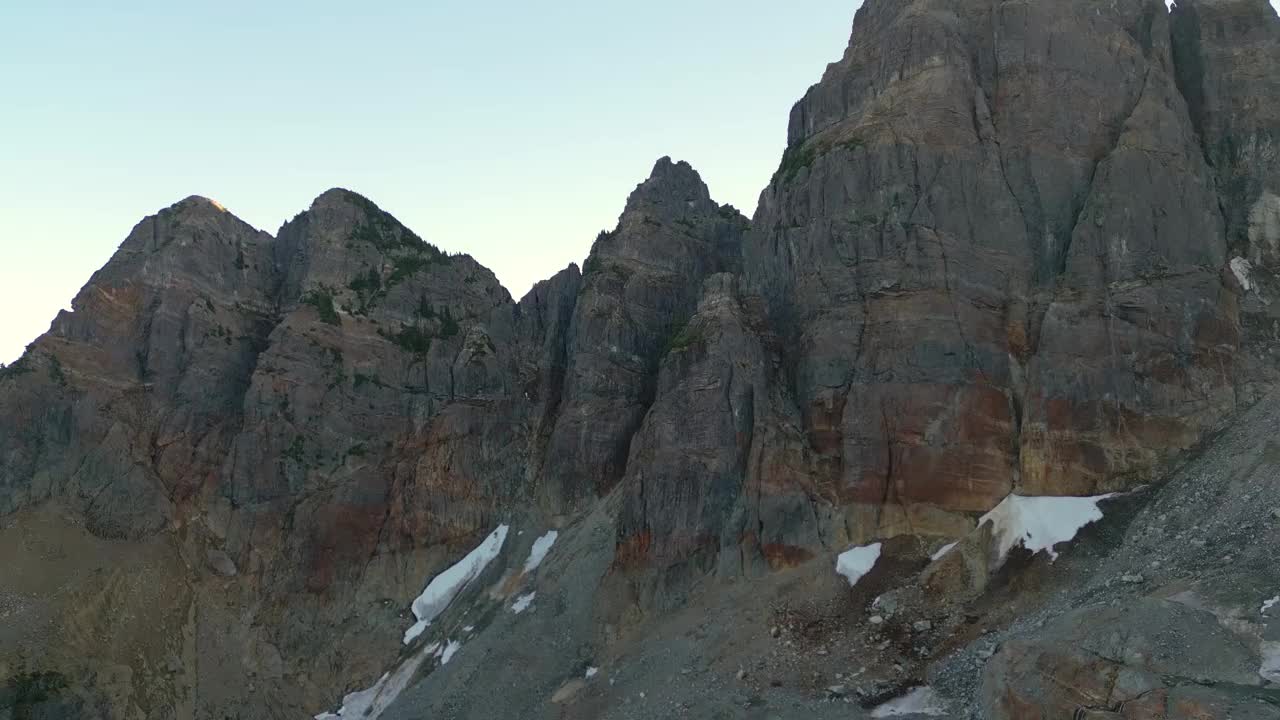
513,131
509,130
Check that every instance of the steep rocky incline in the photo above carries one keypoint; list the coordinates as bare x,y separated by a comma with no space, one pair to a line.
1014,247
996,244
640,285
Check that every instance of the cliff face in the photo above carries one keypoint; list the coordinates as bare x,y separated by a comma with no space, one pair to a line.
1012,247
998,245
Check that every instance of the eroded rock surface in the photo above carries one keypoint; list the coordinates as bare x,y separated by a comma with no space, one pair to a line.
1013,247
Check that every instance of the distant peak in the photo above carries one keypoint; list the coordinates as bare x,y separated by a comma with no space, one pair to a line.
197,202
668,170
335,196
671,181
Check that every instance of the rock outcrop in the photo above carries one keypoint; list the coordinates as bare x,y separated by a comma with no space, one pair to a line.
1012,247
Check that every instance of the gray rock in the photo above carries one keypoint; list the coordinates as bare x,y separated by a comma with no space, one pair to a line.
996,257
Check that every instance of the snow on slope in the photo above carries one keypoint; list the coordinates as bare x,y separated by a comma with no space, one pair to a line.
1267,605
856,562
942,551
1270,669
539,551
523,602
920,701
1040,523
449,650
445,587
368,704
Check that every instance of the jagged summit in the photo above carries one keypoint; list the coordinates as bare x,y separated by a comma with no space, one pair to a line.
676,175
672,185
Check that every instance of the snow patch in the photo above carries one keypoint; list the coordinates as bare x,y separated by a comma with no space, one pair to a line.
368,704
539,551
445,587
1040,523
591,672
449,650
856,562
920,701
943,551
1267,605
1242,268
523,602
1270,669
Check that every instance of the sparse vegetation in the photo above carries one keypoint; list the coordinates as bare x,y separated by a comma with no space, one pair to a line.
410,338
404,266
27,689
448,326
56,373
322,300
367,284
20,367
795,159
853,143
297,450
339,370
685,338
385,233
360,379
286,410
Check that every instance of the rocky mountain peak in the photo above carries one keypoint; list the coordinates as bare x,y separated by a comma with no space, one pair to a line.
338,196
196,203
672,188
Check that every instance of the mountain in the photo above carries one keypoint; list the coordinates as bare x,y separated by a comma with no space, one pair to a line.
973,418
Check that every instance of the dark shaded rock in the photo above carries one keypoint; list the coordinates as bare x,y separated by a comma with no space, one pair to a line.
639,288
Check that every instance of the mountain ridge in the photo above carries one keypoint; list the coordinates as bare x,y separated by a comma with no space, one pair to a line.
956,289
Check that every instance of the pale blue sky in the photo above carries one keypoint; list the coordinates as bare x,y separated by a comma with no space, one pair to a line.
509,130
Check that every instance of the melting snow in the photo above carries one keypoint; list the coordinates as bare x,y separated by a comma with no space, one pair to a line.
591,672
523,602
943,551
1269,604
449,650
921,701
538,553
855,563
1242,268
1039,523
1270,669
369,704
446,586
